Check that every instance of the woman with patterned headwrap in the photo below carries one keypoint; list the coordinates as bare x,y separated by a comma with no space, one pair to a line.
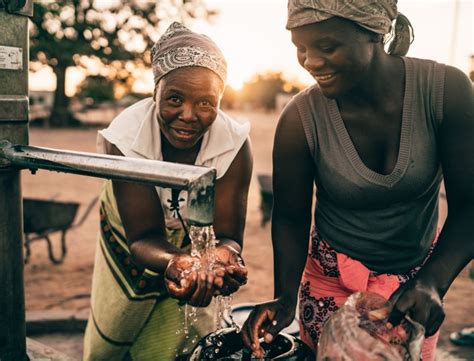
376,135
143,244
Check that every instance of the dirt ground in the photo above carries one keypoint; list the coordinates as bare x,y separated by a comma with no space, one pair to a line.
67,286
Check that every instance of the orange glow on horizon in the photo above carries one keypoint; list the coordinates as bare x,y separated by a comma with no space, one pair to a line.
253,38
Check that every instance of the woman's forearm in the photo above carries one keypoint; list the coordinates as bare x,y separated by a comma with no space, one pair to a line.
154,254
454,250
290,248
229,242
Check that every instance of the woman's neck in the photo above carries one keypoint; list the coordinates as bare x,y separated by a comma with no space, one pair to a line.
383,80
175,155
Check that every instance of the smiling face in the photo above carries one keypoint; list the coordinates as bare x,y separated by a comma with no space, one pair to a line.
336,52
188,101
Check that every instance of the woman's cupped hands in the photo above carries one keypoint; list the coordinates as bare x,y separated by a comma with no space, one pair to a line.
192,280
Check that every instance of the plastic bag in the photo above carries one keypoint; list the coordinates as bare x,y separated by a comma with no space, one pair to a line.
357,331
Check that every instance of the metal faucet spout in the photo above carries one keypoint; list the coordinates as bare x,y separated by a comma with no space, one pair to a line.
201,200
198,181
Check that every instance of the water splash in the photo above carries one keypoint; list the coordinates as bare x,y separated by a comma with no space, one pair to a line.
203,246
203,249
224,313
228,310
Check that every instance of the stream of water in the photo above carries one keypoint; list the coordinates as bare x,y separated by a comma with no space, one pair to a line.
203,247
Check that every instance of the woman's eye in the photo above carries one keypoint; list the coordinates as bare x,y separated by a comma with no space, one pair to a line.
328,49
205,103
175,100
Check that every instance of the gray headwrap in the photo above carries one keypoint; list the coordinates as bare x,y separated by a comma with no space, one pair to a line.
180,47
374,15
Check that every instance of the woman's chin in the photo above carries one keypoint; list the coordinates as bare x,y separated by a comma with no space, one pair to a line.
333,92
330,93
184,145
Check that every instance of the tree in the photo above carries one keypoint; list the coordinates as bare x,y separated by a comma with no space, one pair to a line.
262,90
97,88
229,98
65,33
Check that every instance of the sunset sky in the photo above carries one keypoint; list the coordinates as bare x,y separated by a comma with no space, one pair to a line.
252,36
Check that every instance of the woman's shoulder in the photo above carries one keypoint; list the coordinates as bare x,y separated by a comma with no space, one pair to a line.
309,91
301,102
223,142
136,109
124,127
423,68
304,98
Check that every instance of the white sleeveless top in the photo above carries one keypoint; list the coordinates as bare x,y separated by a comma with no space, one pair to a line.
136,133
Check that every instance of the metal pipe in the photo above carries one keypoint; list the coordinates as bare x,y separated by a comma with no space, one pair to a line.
12,301
14,56
199,181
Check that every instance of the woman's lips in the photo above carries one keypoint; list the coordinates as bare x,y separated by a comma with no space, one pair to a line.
324,79
184,134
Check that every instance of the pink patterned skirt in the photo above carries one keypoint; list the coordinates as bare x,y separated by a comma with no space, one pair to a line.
331,277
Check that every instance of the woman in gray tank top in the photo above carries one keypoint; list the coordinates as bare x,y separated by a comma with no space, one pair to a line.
377,134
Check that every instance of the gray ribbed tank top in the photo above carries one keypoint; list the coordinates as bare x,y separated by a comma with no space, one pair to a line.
387,222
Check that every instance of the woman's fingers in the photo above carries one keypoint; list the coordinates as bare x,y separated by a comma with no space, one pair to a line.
395,317
430,317
230,286
274,327
204,291
196,297
435,321
173,289
251,331
421,302
182,289
238,273
209,291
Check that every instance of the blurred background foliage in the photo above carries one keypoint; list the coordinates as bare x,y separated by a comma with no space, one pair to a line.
117,35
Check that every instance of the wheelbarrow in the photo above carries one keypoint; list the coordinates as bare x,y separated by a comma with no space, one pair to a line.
266,197
42,218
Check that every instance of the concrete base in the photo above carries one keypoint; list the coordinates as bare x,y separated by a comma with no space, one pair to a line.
39,352
43,322
46,326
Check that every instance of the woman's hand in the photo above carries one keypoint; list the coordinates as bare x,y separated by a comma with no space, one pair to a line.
235,271
419,301
267,320
180,278
186,282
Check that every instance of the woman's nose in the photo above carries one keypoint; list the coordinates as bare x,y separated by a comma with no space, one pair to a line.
314,62
187,113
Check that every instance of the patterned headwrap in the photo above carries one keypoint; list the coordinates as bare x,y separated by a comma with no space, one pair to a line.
180,47
374,15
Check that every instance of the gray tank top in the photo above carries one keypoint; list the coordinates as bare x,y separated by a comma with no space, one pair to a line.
388,222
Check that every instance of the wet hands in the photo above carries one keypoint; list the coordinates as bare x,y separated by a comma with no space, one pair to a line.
235,271
189,282
267,320
421,302
195,280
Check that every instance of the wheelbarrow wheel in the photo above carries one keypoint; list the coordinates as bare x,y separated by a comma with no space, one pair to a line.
52,257
27,251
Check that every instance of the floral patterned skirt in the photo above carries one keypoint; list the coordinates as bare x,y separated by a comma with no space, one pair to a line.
330,277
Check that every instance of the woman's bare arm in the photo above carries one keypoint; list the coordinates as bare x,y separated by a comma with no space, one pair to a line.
455,248
142,217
